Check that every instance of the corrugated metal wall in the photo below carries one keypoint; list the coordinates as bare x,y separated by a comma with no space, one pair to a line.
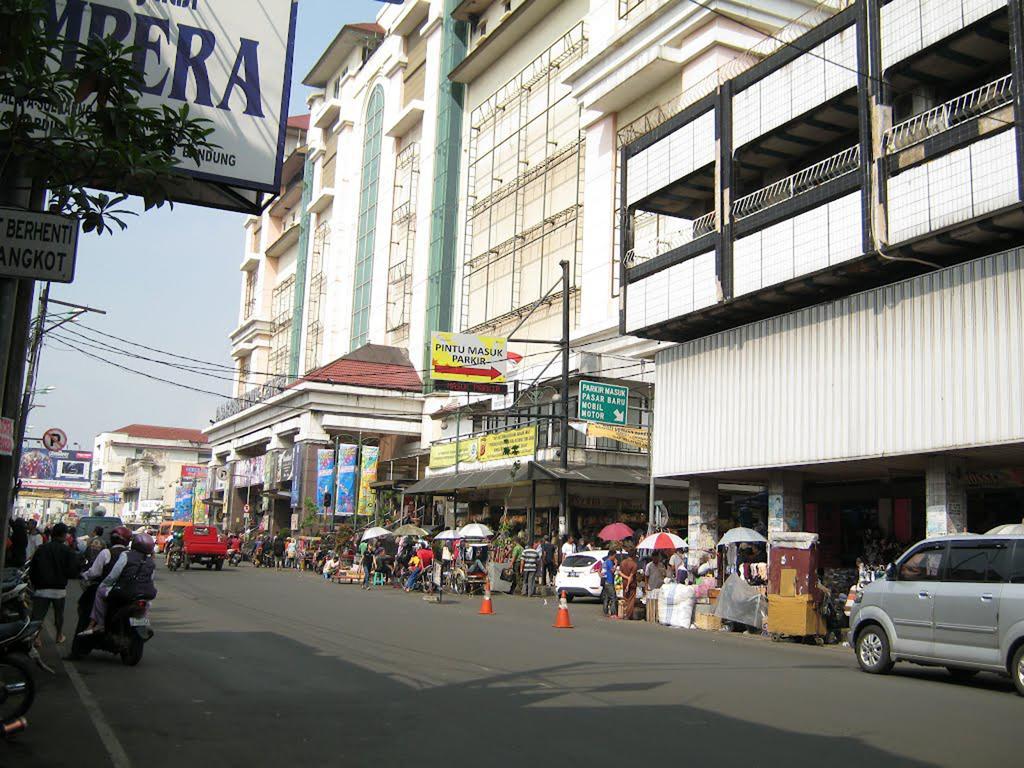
931,363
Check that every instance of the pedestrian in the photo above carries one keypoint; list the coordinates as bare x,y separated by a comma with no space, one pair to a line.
35,540
530,561
290,552
366,561
19,544
628,570
568,548
53,564
547,562
279,549
655,572
517,552
424,560
609,600
677,566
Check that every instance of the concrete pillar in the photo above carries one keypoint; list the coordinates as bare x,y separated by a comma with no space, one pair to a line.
702,533
785,501
945,496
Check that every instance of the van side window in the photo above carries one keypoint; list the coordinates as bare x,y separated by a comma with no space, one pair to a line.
981,561
1017,566
925,564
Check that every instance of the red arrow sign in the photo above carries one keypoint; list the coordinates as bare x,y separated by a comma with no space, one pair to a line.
490,373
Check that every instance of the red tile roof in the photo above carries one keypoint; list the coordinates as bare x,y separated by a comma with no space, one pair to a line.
150,432
375,366
299,121
372,27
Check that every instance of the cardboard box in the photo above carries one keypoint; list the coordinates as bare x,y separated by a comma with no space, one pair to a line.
707,621
797,616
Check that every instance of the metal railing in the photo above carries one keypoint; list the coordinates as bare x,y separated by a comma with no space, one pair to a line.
962,109
809,178
698,228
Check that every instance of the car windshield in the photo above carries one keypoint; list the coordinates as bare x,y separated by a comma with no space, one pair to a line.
578,561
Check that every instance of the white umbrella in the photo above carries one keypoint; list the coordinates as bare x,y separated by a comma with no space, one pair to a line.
375,533
740,536
475,531
663,540
449,535
1007,530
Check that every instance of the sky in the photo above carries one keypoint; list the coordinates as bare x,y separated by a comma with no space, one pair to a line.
170,282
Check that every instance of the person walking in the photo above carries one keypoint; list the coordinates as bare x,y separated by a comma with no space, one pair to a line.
290,553
568,548
609,600
18,553
530,561
366,561
547,562
53,564
279,549
35,540
517,552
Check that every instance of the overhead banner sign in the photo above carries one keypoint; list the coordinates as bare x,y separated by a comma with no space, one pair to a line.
367,505
636,436
603,403
469,361
346,492
442,455
40,468
229,60
508,444
37,246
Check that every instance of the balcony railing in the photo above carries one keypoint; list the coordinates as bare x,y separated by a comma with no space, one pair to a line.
813,176
962,109
704,225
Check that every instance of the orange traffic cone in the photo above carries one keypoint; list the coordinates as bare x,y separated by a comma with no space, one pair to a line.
486,609
562,618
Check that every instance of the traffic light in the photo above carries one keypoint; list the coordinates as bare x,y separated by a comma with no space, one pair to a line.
327,500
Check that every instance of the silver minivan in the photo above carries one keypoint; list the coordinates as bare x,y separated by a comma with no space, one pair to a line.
951,601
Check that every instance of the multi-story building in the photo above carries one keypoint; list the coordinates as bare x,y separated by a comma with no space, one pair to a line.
145,463
822,233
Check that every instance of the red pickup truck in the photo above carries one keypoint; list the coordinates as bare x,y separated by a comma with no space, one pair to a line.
204,545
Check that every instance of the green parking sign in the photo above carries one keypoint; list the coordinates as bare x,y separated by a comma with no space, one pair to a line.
603,403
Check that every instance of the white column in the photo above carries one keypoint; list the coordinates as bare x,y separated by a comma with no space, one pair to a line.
945,496
785,501
703,516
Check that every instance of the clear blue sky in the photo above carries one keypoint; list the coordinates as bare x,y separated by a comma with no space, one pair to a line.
171,282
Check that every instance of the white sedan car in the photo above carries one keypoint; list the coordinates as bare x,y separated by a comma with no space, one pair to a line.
580,574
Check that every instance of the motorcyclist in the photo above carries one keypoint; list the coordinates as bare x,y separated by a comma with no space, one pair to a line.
131,577
101,567
176,541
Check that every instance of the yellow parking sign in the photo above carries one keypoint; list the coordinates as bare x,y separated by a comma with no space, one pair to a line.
468,358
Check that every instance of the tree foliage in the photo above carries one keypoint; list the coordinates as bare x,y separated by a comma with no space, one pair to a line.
82,128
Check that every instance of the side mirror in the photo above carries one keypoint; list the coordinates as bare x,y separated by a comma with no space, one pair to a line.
890,572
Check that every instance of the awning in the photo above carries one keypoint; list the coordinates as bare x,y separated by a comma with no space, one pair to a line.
498,478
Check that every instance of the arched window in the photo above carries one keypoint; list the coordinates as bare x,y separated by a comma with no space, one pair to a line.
363,282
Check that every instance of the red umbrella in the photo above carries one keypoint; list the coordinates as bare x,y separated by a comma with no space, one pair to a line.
663,540
616,532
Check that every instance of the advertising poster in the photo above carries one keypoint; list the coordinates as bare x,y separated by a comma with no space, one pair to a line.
193,471
509,444
346,495
443,454
324,474
40,468
296,475
183,502
199,512
368,475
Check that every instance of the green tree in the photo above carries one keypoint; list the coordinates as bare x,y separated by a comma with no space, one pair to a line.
72,122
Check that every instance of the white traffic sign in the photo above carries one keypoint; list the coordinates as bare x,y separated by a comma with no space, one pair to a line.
54,439
37,246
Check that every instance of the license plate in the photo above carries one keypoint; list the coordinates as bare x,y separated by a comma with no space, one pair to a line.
138,622
573,574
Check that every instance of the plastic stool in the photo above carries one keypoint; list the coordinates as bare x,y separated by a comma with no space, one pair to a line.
379,579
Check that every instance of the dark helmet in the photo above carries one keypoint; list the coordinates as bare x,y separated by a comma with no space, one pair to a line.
120,535
143,542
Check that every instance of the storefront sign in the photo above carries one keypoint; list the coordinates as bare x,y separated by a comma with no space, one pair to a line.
636,436
200,512
6,436
228,61
468,358
38,246
508,444
442,455
603,403
192,471
367,476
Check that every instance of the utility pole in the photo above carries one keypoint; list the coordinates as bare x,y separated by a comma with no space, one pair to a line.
563,484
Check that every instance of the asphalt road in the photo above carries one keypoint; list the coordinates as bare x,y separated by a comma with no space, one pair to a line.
256,668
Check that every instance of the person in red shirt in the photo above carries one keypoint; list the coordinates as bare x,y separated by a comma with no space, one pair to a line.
426,558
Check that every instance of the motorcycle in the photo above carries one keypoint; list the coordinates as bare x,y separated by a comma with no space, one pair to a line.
175,559
127,628
15,597
234,557
17,685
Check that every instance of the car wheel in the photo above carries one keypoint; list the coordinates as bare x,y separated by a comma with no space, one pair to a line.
1017,670
959,673
873,651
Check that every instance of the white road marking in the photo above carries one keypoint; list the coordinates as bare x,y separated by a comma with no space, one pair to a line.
118,757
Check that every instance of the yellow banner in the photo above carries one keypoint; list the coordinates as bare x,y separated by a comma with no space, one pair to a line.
638,436
509,444
466,357
442,455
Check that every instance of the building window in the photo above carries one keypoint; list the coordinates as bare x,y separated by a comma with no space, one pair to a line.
249,302
363,278
281,307
525,166
403,241
317,289
243,375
